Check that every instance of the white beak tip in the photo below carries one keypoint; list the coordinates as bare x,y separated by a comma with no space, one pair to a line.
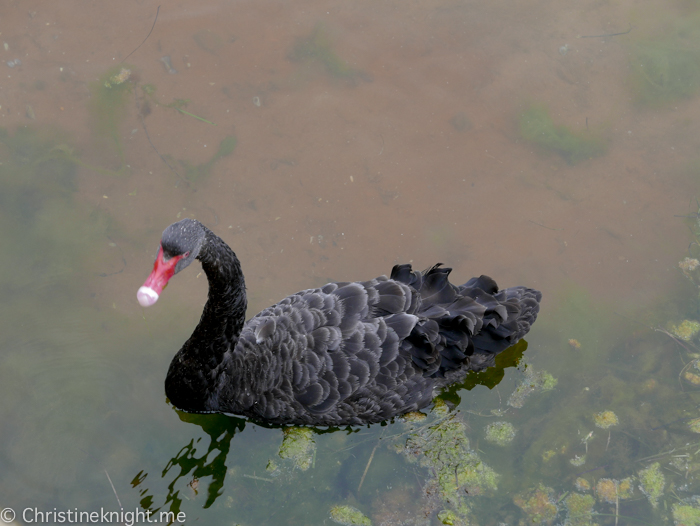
147,296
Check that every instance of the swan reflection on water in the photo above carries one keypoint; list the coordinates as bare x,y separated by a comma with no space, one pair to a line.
199,469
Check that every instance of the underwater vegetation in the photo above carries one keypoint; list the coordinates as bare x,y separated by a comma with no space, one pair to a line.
317,48
349,516
298,446
537,127
605,419
611,491
694,425
538,504
687,513
687,330
500,433
456,471
573,462
32,169
652,482
197,172
107,107
532,382
579,510
37,186
667,67
191,172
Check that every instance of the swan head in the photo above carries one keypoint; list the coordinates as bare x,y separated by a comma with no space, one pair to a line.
179,246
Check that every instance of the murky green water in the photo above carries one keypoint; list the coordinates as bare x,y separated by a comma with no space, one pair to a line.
331,150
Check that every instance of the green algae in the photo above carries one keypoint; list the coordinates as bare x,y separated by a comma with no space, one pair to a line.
33,164
318,48
298,446
666,67
194,173
191,172
689,267
107,106
149,92
38,183
579,510
652,482
500,433
694,425
578,460
582,484
349,516
450,518
533,381
687,513
665,72
538,504
605,419
414,417
456,470
612,491
440,408
537,127
687,330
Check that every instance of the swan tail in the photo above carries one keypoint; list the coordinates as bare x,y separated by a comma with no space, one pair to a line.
464,327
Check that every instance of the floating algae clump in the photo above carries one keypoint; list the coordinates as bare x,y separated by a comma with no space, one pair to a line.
692,377
606,419
537,127
413,417
582,484
349,516
578,460
450,518
606,489
538,504
531,382
689,266
298,446
651,482
455,469
501,433
687,513
548,455
625,489
580,510
686,330
440,408
610,490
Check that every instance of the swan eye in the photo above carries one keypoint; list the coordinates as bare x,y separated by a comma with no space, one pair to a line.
186,254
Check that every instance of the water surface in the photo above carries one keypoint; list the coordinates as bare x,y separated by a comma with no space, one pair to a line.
330,142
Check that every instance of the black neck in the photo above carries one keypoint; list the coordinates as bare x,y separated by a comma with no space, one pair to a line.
227,301
190,380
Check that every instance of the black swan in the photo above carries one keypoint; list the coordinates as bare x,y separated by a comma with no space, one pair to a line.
346,353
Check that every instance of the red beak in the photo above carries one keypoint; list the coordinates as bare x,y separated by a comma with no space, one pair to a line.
162,272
